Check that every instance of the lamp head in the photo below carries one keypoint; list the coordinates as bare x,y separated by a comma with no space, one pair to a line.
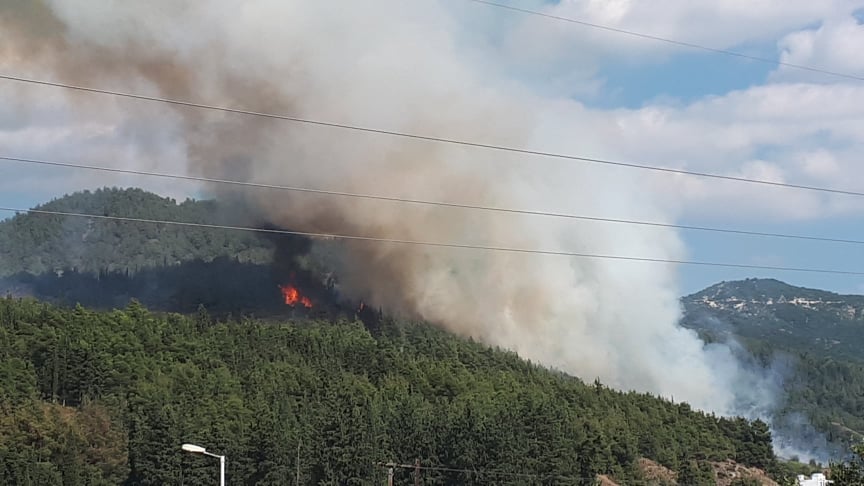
193,448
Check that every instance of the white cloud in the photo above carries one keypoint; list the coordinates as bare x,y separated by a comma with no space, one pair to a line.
821,164
564,58
720,24
807,134
55,128
834,46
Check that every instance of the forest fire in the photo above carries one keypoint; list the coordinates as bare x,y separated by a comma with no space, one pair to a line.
293,297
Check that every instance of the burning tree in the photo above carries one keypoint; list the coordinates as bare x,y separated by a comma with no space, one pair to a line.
293,296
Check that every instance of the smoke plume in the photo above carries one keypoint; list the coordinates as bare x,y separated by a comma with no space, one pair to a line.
403,66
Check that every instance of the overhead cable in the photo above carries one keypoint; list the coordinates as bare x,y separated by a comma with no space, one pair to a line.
667,40
429,138
446,204
434,244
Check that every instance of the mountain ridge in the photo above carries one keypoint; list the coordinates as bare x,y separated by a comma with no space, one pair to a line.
810,340
767,315
798,318
39,243
770,290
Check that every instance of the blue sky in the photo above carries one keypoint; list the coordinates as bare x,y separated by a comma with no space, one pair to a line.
780,252
686,77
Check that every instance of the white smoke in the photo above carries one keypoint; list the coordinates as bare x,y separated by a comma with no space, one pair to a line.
413,67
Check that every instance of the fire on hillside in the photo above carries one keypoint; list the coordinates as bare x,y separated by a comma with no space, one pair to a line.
293,296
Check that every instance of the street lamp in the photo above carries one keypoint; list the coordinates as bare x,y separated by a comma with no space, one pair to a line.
195,449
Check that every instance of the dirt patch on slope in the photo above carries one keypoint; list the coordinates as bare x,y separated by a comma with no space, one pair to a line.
728,471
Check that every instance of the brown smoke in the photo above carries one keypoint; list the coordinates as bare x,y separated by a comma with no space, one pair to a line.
399,66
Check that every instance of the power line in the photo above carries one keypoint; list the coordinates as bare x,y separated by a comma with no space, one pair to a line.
432,203
670,41
429,138
435,244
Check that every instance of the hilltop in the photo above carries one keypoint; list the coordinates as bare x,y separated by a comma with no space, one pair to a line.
103,263
41,243
812,341
768,310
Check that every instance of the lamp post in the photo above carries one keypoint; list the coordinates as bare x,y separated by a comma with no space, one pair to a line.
195,449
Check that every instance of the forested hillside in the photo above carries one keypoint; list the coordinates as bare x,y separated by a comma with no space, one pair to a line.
813,338
796,318
40,243
107,397
82,385
223,285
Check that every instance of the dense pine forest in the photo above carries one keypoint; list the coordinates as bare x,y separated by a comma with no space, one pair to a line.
94,398
92,395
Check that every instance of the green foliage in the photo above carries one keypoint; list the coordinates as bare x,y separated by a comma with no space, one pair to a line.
222,285
42,243
795,318
76,386
696,473
830,393
849,473
786,472
107,397
814,340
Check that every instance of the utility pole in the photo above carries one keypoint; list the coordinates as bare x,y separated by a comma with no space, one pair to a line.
389,466
392,465
221,470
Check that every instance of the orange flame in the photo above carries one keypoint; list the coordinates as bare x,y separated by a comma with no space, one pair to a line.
293,297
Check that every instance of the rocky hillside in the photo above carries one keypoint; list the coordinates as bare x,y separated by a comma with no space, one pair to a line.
725,473
796,318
